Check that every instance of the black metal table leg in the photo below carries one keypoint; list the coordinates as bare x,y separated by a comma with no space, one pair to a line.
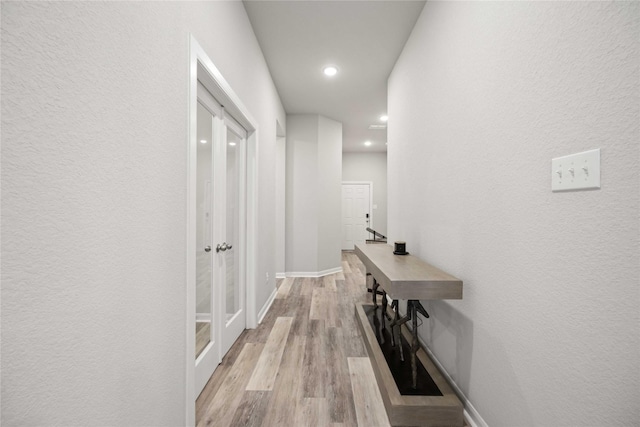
414,343
397,321
374,292
383,314
394,322
413,308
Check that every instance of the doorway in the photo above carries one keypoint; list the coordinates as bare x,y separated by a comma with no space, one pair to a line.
221,225
356,213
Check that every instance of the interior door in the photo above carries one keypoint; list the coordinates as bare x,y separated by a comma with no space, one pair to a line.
221,235
233,232
356,215
207,313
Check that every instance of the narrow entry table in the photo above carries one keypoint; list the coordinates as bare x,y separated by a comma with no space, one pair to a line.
409,278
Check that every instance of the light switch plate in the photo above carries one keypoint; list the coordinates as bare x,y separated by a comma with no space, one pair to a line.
580,171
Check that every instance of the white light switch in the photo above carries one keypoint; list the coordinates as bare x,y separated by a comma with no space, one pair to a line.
578,171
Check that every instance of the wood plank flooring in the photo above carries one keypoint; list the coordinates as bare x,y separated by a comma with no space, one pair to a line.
305,365
264,374
365,392
203,331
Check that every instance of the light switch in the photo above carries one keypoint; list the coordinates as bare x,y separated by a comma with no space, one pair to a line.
580,171
375,206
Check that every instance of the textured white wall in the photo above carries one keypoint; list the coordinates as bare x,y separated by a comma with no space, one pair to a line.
370,167
329,194
314,170
281,206
302,188
94,144
482,97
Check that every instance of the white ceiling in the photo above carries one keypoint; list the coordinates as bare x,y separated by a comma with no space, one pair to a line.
362,38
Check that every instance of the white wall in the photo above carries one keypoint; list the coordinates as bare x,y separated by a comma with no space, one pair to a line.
302,187
481,99
329,194
370,167
94,168
281,205
314,170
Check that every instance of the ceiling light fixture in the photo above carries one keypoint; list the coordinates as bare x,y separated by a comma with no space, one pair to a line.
232,144
330,71
367,143
203,141
384,118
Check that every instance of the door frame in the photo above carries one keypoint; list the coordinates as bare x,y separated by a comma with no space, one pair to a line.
202,69
370,184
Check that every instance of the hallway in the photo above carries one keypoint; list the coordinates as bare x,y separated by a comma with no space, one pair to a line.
480,99
307,381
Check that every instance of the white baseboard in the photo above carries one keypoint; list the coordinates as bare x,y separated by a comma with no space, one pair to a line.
203,317
267,305
470,413
314,273
281,275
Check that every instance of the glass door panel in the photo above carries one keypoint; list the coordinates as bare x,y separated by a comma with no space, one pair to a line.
232,280
220,169
204,316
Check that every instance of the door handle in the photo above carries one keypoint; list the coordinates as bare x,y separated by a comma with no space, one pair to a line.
221,248
207,248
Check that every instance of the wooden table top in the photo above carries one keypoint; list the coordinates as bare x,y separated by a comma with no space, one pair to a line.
406,276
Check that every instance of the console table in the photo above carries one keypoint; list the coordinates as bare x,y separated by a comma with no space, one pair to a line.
409,278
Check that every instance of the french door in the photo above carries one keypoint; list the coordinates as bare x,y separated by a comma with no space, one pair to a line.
220,235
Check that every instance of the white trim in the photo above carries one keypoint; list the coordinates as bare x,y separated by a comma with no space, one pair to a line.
471,415
190,297
235,127
215,83
202,69
203,317
208,101
281,275
314,273
267,305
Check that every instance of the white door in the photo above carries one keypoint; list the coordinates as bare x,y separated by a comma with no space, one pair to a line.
220,236
207,314
356,214
232,234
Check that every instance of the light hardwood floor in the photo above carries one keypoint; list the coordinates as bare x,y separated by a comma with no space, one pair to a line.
203,330
305,365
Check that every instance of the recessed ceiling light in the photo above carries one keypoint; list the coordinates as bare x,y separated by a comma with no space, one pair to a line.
330,71
367,143
384,118
203,141
232,144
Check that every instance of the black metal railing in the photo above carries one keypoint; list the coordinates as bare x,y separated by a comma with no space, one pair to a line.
377,237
